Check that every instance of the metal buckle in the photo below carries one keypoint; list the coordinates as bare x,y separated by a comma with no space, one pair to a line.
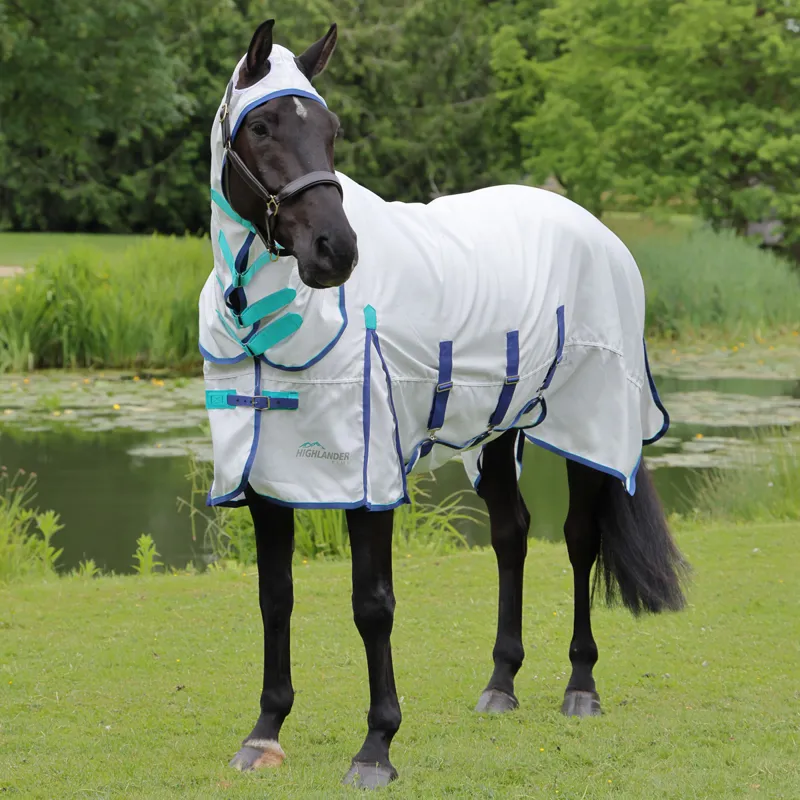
272,206
444,387
223,112
254,401
512,379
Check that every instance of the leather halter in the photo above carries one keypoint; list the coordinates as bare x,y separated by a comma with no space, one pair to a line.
273,201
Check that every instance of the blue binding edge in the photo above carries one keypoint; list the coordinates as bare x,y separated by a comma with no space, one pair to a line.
251,457
325,350
656,400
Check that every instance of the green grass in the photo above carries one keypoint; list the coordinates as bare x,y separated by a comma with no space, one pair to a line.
144,687
24,249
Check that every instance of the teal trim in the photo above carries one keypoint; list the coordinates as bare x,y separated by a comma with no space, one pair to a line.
218,398
370,318
250,272
266,306
228,328
226,207
219,281
227,254
273,334
281,395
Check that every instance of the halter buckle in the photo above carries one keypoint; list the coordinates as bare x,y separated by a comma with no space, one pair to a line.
272,206
223,112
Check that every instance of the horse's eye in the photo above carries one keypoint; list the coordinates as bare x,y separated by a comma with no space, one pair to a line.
259,129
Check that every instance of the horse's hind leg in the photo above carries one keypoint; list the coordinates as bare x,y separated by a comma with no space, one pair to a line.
509,520
274,530
583,544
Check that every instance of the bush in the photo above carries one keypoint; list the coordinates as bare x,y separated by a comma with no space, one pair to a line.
85,308
714,282
25,534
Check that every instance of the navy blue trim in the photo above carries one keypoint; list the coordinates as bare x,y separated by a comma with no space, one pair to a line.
656,400
559,350
273,96
325,350
240,263
211,501
588,463
511,381
313,506
397,444
218,360
441,393
365,405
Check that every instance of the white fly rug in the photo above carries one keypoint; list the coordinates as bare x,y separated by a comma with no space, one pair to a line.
505,308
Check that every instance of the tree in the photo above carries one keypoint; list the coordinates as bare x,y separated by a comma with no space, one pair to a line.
697,99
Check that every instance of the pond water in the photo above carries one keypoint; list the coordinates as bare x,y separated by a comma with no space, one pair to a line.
110,455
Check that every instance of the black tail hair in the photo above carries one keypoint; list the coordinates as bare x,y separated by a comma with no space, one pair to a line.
639,561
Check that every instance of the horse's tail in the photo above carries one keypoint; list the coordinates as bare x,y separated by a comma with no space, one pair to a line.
639,562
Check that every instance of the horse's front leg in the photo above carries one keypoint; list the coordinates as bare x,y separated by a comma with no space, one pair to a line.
274,529
373,611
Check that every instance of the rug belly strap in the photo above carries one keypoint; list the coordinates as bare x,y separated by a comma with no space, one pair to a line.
268,401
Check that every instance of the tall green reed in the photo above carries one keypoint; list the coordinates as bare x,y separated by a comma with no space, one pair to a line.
85,308
766,488
423,526
26,534
706,282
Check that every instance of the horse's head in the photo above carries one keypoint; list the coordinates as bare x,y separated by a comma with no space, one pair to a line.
280,141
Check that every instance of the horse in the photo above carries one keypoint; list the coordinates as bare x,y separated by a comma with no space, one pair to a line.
349,341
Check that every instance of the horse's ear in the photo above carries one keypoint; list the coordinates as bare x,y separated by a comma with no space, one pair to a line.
316,58
256,63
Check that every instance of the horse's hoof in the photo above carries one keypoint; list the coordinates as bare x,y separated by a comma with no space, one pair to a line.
369,776
581,704
257,754
493,701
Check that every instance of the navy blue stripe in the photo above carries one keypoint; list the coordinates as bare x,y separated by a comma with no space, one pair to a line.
512,379
218,360
325,350
559,349
365,405
656,400
397,444
253,448
244,252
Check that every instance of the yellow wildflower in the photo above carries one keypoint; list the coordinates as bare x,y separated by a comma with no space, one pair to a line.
56,413
698,436
116,406
136,378
26,380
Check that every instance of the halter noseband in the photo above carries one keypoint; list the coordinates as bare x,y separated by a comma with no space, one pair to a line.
273,201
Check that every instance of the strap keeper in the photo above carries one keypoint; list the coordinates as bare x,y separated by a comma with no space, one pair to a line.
511,380
443,387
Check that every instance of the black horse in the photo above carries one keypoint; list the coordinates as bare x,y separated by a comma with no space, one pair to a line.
626,536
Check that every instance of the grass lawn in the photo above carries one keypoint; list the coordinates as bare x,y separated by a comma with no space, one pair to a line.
22,249
143,687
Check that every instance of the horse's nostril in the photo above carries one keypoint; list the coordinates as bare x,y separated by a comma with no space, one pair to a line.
324,247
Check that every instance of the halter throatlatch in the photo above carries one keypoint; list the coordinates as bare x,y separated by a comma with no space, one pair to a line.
273,201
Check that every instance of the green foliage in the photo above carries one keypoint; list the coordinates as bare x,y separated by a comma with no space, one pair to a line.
420,527
768,488
707,281
25,534
146,556
86,308
87,569
107,107
664,101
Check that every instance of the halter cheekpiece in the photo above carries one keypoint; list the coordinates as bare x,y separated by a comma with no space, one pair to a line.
273,201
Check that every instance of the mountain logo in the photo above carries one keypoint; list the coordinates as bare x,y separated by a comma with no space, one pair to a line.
308,445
